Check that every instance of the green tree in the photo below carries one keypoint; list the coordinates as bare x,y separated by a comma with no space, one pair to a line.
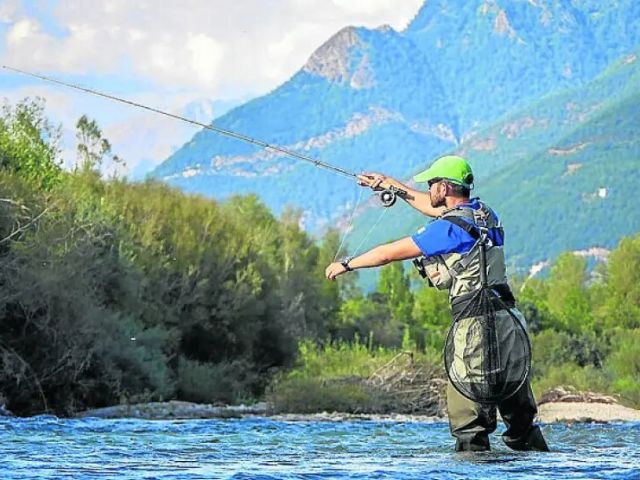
395,286
532,302
432,314
368,319
568,297
92,147
332,293
625,362
622,285
29,144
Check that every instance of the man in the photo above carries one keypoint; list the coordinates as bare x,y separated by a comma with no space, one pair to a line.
450,180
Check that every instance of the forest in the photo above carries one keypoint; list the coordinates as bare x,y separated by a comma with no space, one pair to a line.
118,292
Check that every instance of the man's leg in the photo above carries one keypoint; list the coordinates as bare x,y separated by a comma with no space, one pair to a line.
470,422
518,413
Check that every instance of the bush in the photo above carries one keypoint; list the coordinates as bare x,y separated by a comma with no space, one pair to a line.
552,348
588,378
28,144
224,382
309,395
339,359
624,365
356,378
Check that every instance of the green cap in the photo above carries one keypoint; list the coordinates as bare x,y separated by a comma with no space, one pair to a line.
450,167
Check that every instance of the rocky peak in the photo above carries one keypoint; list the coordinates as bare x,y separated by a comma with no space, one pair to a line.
333,60
501,23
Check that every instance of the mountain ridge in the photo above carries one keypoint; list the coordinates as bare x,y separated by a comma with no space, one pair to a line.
378,99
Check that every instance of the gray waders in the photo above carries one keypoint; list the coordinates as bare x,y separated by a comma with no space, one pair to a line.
488,352
471,422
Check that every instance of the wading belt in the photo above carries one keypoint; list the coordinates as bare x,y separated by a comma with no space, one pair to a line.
501,299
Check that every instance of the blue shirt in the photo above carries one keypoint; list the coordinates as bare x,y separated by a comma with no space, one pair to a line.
441,236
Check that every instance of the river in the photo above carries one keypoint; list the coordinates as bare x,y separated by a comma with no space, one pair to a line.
46,447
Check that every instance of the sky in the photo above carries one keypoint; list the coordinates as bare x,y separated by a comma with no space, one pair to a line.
193,57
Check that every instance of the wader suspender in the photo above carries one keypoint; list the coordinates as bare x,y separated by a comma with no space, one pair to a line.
474,231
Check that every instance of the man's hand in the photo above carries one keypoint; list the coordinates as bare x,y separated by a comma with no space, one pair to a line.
372,180
333,270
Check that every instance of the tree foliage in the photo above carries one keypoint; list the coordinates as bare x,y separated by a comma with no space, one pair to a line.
125,292
118,292
29,143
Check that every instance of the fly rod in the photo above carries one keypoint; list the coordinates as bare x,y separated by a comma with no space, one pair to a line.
388,193
213,128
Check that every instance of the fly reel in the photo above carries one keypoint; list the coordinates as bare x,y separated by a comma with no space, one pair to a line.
388,198
389,195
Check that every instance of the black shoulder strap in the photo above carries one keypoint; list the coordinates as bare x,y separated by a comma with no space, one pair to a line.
466,226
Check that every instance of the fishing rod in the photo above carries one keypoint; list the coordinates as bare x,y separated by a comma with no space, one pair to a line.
388,193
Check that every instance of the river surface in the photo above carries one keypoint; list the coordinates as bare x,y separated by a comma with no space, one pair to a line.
258,448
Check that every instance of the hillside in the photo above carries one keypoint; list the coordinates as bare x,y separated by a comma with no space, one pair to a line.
343,100
557,171
511,84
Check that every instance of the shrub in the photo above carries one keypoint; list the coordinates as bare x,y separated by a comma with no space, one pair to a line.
624,364
310,395
587,378
224,382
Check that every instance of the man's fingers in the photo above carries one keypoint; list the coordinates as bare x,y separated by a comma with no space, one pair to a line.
363,182
329,272
372,180
333,270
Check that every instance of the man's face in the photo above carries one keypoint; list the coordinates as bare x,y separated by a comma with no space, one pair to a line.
437,191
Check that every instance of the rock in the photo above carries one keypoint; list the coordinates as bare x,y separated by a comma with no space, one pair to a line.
350,417
566,404
570,394
570,412
4,412
174,410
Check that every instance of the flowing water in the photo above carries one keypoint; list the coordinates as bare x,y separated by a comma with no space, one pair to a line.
51,448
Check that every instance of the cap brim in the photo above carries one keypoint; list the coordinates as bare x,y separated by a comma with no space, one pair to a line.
424,176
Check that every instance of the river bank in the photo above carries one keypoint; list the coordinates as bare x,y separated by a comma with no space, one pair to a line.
560,405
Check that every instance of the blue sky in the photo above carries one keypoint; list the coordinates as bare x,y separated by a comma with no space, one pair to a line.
204,55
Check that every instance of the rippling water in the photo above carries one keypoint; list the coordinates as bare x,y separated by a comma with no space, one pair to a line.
51,448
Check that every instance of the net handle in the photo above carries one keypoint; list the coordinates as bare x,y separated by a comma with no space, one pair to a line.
484,282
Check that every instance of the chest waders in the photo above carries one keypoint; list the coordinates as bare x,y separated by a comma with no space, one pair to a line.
487,352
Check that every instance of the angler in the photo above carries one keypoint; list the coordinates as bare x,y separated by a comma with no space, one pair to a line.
487,353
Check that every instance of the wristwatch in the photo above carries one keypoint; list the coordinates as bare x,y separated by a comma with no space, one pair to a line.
345,264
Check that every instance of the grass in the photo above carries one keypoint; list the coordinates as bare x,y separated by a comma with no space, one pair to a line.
357,378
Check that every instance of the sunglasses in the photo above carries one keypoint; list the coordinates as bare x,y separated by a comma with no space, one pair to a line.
433,181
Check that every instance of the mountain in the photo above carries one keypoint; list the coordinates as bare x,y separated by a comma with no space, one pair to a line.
497,55
148,137
382,100
559,172
344,100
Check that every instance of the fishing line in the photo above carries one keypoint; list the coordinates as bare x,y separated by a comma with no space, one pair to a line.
349,224
213,128
388,194
370,230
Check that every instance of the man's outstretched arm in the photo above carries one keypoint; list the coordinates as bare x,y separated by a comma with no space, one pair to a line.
419,200
381,255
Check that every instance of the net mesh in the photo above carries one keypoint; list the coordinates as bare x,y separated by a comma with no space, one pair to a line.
487,352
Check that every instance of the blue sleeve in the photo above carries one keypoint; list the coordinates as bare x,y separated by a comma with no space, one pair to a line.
441,237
